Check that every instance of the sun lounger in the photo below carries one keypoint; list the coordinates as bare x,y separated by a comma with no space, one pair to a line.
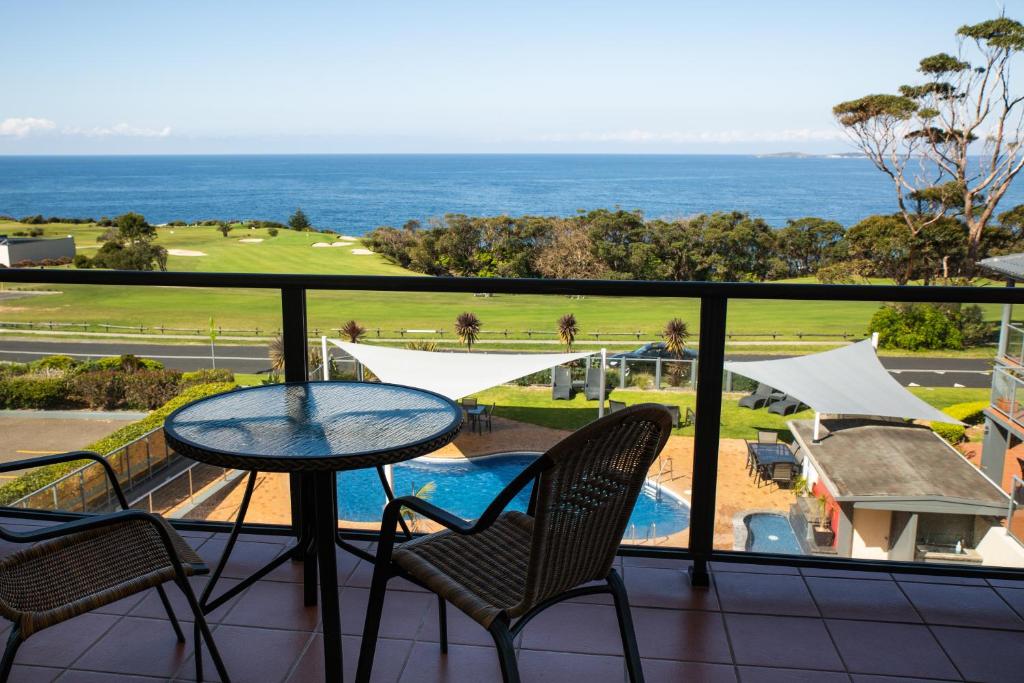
561,387
786,406
592,387
759,398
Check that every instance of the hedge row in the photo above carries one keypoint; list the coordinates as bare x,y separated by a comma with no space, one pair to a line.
971,413
38,478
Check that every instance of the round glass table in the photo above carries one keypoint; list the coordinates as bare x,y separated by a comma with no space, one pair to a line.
312,430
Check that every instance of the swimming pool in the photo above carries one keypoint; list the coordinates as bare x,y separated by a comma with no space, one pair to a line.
771,533
465,487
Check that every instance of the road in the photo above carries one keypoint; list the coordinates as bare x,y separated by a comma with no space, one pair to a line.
908,370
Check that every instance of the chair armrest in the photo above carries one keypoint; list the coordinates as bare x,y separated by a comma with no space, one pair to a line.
71,456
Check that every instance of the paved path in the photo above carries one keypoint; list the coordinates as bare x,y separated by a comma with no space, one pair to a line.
908,370
30,433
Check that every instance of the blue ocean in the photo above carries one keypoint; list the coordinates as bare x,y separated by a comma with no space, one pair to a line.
355,193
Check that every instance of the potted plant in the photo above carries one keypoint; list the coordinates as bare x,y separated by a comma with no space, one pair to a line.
823,533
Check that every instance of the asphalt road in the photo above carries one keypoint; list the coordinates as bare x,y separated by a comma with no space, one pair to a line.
908,370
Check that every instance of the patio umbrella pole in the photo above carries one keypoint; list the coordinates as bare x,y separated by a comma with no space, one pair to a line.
323,358
604,368
817,427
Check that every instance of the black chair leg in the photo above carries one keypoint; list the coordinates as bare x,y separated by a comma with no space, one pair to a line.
203,629
13,643
629,646
506,651
442,622
170,613
374,610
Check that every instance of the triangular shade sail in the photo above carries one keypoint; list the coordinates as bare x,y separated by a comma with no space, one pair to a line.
846,381
451,374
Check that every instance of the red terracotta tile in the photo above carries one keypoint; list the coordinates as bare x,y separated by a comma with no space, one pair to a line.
151,607
146,647
270,604
35,674
125,605
681,635
846,574
760,674
861,599
387,665
656,562
403,615
983,655
62,644
463,663
575,627
733,567
665,671
764,594
74,676
538,666
867,678
666,588
251,655
890,649
954,580
1013,597
782,642
461,629
961,605
362,575
247,557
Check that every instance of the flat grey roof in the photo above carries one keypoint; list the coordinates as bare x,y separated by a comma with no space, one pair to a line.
1010,265
896,465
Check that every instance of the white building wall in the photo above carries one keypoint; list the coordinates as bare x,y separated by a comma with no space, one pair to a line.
999,549
16,251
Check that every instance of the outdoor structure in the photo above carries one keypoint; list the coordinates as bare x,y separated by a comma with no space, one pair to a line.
897,491
34,249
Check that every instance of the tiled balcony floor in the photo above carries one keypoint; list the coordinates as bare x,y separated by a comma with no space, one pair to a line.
755,624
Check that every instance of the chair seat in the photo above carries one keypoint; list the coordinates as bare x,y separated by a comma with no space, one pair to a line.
483,574
58,579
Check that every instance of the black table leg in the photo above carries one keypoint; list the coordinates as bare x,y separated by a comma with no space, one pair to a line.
325,511
306,547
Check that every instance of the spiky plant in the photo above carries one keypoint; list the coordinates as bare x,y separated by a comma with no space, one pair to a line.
354,331
567,330
421,345
275,349
676,333
467,327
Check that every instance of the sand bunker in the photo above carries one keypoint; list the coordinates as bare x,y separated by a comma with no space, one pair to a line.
321,244
361,252
341,244
251,240
185,252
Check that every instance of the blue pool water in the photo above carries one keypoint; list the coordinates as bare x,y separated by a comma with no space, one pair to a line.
466,487
768,533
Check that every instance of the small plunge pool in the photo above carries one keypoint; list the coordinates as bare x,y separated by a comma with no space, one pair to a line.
771,533
465,486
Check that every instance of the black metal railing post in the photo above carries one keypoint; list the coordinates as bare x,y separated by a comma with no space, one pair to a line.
296,369
705,441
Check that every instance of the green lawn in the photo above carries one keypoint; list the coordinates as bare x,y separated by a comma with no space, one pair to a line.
290,251
535,406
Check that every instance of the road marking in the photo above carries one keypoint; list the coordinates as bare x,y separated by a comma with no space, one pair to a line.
38,452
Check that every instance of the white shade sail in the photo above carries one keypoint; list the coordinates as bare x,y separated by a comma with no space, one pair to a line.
845,381
451,374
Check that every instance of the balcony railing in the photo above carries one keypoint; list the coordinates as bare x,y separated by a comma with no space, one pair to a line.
1014,352
1008,395
714,301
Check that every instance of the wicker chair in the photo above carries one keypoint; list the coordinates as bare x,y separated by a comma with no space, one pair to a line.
86,563
511,565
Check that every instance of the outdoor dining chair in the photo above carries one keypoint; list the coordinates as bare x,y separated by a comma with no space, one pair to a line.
507,566
765,436
486,417
615,406
80,565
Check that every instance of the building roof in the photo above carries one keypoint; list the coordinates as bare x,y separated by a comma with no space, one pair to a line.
849,380
897,466
4,239
1010,265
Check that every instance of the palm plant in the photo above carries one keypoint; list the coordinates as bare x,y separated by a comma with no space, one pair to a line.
275,349
425,492
676,333
353,330
467,327
421,345
567,330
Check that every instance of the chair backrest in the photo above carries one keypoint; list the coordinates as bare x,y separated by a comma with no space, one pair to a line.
782,471
489,409
767,437
763,390
469,403
615,406
1020,461
583,501
593,377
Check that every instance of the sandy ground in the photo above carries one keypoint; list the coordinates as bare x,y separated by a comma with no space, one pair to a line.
736,490
361,252
185,252
251,240
32,435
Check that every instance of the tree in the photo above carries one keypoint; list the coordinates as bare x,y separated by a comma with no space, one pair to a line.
952,144
224,229
298,221
567,330
808,244
568,254
353,331
132,228
675,334
467,327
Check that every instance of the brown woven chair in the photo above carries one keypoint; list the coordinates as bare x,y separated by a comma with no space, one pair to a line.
509,566
86,563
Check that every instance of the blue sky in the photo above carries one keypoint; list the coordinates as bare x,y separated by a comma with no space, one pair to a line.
281,77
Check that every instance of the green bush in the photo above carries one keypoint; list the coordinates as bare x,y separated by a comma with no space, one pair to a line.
954,434
206,376
38,478
971,413
98,389
28,392
641,380
916,326
126,362
59,362
149,389
13,369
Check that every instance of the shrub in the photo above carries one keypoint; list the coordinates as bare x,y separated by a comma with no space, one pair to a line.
13,369
953,434
36,479
98,389
272,232
127,362
915,326
32,392
149,389
81,261
206,376
58,362
641,380
971,413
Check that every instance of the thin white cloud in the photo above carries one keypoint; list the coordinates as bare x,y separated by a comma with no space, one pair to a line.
680,137
20,127
119,130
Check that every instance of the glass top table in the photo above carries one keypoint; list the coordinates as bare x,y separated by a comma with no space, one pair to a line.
311,430
771,453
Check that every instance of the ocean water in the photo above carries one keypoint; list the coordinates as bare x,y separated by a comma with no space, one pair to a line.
355,193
